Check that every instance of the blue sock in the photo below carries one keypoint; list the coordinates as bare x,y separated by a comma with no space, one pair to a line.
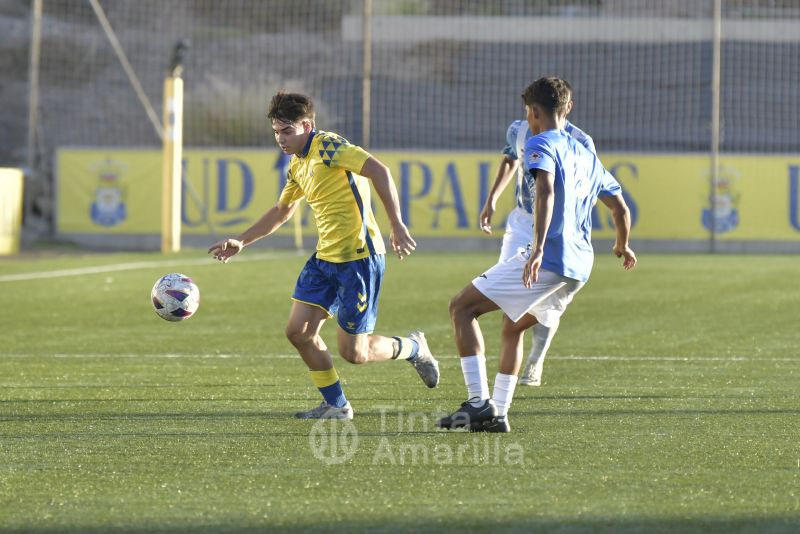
328,384
334,395
414,350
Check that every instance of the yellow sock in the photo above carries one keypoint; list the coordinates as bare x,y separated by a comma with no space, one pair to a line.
328,384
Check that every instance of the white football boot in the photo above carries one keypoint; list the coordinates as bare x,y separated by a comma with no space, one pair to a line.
326,411
425,364
532,374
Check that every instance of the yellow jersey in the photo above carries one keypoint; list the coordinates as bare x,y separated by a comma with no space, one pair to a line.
325,173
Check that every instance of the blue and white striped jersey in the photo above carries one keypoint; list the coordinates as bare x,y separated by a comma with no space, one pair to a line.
579,178
516,136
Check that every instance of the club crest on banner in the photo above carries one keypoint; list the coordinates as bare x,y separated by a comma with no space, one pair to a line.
722,215
108,208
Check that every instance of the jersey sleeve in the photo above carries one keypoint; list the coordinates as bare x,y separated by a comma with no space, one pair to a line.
539,155
291,191
609,186
510,149
588,142
590,145
581,136
336,152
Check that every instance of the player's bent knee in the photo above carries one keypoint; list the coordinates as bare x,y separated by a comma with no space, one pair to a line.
452,305
460,310
353,354
455,306
510,328
297,337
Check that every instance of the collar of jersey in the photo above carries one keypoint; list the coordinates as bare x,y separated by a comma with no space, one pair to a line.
304,152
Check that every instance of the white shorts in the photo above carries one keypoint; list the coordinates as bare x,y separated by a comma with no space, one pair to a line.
546,299
519,232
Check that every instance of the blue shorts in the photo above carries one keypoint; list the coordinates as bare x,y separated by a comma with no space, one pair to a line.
348,290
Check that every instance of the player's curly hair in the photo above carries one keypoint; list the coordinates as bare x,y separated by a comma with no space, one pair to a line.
551,93
291,107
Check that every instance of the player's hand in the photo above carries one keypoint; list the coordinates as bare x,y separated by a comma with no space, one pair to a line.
402,242
485,220
224,250
530,274
627,255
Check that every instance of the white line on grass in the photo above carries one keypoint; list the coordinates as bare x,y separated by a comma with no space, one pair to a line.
676,358
441,357
132,266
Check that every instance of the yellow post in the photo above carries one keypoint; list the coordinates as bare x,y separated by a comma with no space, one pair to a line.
172,167
11,186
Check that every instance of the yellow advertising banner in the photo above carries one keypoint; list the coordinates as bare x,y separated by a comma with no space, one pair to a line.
119,191
115,192
441,193
756,197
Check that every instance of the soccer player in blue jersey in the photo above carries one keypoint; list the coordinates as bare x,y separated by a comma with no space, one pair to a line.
343,277
536,285
518,225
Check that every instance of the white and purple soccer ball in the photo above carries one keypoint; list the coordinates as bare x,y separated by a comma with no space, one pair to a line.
175,297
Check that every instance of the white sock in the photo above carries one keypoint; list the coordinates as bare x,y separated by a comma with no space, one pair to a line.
474,369
541,338
503,392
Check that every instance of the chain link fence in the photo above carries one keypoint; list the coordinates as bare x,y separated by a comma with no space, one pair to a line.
445,74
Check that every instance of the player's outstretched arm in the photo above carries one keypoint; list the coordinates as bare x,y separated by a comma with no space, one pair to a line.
402,242
622,221
269,222
505,171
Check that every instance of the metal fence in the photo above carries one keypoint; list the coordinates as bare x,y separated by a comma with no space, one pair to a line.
648,75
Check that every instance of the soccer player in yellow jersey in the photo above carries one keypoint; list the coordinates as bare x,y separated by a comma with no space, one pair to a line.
343,277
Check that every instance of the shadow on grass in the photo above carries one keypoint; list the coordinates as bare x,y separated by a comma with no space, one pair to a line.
772,525
658,411
289,416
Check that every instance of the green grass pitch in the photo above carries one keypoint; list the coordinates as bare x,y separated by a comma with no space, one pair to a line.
670,403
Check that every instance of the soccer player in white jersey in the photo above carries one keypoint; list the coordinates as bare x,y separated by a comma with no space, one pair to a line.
536,285
518,225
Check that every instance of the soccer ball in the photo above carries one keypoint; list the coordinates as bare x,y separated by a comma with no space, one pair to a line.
175,297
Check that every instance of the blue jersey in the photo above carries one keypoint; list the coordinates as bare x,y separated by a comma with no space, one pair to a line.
579,179
516,136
